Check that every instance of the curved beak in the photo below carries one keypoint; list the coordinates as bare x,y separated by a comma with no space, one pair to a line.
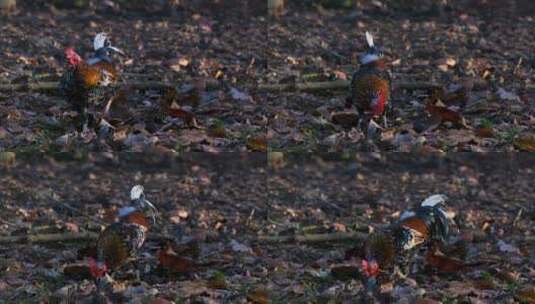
153,210
117,50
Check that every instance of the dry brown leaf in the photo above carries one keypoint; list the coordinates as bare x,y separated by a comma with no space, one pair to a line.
258,296
427,301
217,131
218,281
177,264
484,283
445,114
257,144
192,136
526,295
444,264
160,301
526,143
7,158
457,288
484,132
188,117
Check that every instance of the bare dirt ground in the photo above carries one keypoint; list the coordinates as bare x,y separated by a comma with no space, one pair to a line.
481,50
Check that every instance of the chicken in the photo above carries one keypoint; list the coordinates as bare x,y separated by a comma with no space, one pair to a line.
84,81
122,240
370,87
385,253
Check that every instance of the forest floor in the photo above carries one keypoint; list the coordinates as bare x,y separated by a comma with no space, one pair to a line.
330,194
480,60
225,68
210,55
235,208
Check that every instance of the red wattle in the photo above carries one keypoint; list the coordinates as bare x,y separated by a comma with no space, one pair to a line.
380,106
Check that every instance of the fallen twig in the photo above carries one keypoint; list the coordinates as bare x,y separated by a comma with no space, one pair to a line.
137,85
315,238
49,238
305,86
53,86
65,237
340,85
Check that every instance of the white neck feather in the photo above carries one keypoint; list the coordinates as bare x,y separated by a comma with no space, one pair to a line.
126,211
369,58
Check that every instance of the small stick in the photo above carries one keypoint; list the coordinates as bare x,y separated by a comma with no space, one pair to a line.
305,86
65,237
315,238
49,238
340,85
53,85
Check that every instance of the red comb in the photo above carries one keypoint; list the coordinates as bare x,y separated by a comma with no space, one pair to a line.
73,57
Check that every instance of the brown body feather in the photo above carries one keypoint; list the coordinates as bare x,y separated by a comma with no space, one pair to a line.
84,85
120,241
370,89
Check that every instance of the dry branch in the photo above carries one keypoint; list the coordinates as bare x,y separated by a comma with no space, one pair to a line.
49,238
38,86
339,85
65,237
315,238
53,86
288,87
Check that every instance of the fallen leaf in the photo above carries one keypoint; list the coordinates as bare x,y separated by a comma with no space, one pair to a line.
445,114
444,264
526,143
258,296
457,288
257,144
217,130
484,283
427,301
218,281
188,117
275,159
190,289
176,264
7,158
484,132
526,295
160,301
192,136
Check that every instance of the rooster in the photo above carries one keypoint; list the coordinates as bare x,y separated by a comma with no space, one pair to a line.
84,82
121,241
385,252
370,87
